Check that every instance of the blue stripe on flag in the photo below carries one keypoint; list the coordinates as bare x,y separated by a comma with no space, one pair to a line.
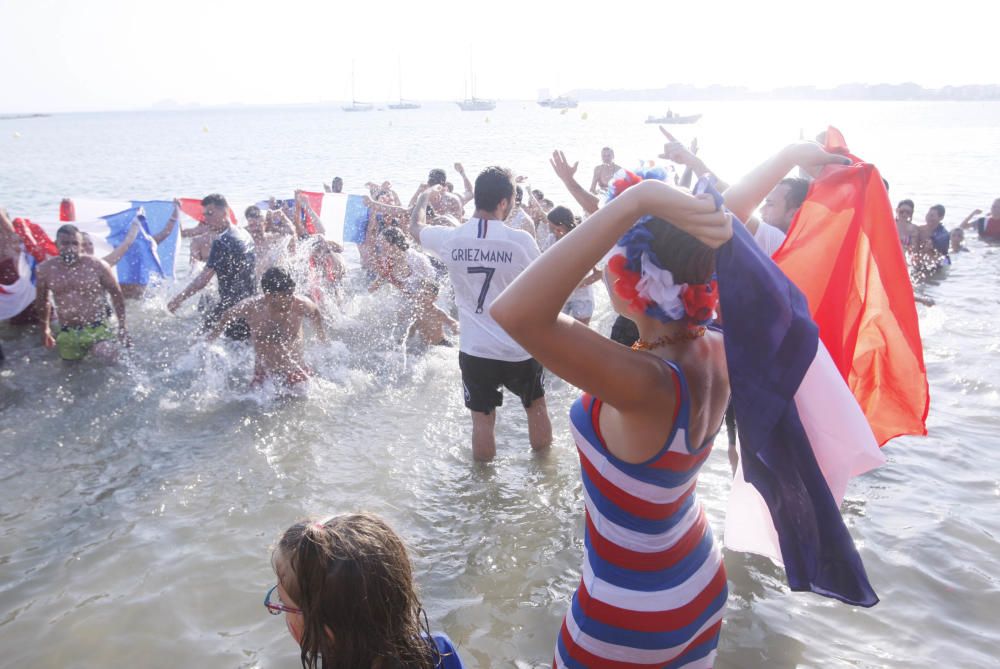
141,260
355,219
158,213
770,342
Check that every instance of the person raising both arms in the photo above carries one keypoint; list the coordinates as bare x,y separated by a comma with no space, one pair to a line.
482,257
274,321
648,417
78,283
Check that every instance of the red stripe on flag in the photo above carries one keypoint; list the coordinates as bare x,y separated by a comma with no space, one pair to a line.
843,253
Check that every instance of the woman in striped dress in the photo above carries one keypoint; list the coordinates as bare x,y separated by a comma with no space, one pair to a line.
653,586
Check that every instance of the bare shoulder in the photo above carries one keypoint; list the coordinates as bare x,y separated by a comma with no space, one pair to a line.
47,266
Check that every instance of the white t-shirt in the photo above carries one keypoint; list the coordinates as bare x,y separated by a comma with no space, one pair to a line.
483,257
768,238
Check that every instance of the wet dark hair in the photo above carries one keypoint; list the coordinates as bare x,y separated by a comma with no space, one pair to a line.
493,185
907,201
561,216
939,208
798,188
253,211
688,259
68,229
396,237
351,577
437,176
277,280
215,200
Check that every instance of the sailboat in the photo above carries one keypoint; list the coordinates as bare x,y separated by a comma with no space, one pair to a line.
356,106
403,104
474,103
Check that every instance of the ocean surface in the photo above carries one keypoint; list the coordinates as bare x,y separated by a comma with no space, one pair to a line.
139,503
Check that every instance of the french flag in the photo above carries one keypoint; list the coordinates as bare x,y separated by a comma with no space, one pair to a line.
345,217
108,222
17,294
842,251
802,433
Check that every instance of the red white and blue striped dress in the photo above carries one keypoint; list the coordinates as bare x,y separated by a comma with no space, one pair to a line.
653,588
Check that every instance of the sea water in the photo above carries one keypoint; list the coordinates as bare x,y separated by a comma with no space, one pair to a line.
139,503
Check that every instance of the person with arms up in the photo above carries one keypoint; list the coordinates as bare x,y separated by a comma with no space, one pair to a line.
653,588
483,256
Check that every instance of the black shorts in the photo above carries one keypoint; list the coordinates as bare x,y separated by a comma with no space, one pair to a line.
624,331
482,378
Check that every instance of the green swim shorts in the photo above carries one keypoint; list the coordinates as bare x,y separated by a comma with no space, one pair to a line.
73,343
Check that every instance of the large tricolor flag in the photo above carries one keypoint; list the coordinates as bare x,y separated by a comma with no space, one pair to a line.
802,434
843,253
108,222
345,217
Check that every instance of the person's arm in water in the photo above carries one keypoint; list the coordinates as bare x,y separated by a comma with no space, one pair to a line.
469,190
110,284
171,224
235,312
529,309
743,197
676,152
566,174
42,305
196,285
119,251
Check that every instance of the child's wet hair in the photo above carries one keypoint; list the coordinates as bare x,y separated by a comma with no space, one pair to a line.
352,579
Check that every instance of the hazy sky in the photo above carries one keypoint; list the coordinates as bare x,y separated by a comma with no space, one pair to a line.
61,55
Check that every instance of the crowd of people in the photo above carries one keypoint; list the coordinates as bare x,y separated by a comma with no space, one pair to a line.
514,283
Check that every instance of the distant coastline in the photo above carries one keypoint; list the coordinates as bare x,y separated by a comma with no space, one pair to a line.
906,91
11,117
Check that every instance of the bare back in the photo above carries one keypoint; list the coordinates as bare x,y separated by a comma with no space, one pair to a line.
637,436
277,333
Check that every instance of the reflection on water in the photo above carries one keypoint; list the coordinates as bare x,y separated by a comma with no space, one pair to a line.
139,503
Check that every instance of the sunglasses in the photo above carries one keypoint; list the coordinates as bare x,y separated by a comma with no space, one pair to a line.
276,608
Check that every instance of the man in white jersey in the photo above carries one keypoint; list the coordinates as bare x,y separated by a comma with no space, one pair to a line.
483,257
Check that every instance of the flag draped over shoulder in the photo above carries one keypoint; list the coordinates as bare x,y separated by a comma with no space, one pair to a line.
843,253
802,434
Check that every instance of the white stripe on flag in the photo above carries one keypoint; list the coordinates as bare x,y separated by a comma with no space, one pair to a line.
842,442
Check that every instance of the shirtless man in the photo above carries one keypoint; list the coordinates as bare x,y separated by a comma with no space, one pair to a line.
78,283
604,172
440,200
275,322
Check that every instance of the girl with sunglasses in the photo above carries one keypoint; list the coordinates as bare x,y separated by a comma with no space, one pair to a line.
346,589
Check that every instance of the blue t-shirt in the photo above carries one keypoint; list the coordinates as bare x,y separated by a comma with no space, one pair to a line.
449,655
941,240
232,257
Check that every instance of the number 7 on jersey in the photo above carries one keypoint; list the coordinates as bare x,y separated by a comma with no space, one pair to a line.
488,271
